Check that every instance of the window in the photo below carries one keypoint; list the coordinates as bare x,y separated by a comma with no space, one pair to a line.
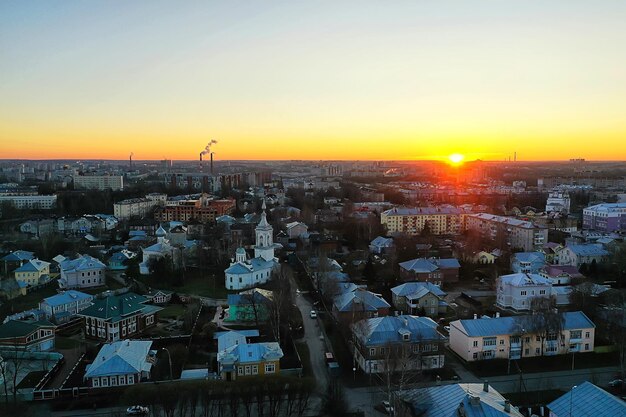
122,380
475,343
372,351
475,355
501,341
255,369
586,346
587,335
489,341
551,337
528,340
131,379
542,292
522,293
537,339
526,352
96,382
270,368
248,369
537,351
105,382
575,334
240,370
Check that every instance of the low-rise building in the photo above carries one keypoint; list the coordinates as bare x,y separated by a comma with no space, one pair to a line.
438,271
251,306
516,291
577,255
352,306
419,297
381,245
116,317
62,307
527,262
520,337
249,359
82,272
397,343
34,272
35,336
586,400
125,362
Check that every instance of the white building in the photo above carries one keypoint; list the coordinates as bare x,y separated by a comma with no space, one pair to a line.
32,202
82,272
99,182
138,207
125,362
246,273
517,290
62,307
558,201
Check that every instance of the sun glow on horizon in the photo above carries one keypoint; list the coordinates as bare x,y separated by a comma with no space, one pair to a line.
456,159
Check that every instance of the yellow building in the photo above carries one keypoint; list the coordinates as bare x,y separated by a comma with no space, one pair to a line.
249,359
445,220
33,272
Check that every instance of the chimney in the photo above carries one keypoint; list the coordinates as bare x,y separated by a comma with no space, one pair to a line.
474,400
507,406
497,314
475,316
211,163
486,386
438,380
200,161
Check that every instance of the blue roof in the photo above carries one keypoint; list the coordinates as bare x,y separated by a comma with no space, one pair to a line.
381,241
123,357
66,297
33,265
360,300
252,265
18,256
251,353
511,325
445,400
412,287
429,265
82,263
588,400
588,250
530,256
389,329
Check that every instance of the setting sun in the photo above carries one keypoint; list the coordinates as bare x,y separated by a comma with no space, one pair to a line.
456,158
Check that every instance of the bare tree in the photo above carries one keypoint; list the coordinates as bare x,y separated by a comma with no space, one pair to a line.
544,321
281,299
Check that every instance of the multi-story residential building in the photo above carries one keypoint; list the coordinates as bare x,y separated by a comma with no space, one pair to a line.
125,362
515,233
527,262
516,291
30,202
203,209
440,220
576,255
605,217
396,343
514,337
82,272
201,181
116,317
558,201
352,306
62,307
34,272
99,182
419,297
435,270
249,359
25,335
138,207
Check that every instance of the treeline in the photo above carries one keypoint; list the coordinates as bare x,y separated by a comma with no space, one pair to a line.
269,396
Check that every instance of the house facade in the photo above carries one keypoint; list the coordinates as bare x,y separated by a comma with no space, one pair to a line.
576,255
117,317
62,307
82,272
249,359
396,343
352,306
513,337
514,233
126,362
527,262
34,272
516,291
438,271
419,297
35,336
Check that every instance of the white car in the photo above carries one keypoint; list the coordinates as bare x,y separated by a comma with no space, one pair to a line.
313,314
387,407
136,410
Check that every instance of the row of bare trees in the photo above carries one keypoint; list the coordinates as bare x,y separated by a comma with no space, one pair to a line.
272,396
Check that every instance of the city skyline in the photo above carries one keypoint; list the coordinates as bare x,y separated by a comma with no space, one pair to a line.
283,81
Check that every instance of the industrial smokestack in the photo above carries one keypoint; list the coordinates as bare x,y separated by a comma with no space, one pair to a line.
201,153
211,163
130,158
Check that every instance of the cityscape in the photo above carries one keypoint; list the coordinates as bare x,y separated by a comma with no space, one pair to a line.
292,209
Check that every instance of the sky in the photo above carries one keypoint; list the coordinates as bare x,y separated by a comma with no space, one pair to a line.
367,80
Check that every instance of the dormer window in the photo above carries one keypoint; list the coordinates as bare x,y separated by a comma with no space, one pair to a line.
406,337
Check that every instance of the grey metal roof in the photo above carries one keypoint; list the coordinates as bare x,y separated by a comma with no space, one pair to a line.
587,400
409,288
382,330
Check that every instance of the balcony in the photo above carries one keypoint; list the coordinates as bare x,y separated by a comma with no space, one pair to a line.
515,354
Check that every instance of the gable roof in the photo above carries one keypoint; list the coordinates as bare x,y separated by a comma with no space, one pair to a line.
122,357
116,307
530,257
360,299
382,242
587,400
251,353
422,265
409,288
233,337
19,328
444,401
588,250
33,265
18,256
512,325
82,263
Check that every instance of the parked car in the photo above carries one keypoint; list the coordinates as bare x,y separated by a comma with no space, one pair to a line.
137,410
446,328
616,383
387,407
313,314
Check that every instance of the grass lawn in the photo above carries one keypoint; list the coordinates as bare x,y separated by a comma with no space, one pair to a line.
195,283
61,342
27,302
173,311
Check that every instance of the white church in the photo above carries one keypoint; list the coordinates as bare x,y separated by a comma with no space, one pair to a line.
247,273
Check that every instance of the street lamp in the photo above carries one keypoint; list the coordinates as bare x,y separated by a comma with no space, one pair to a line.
571,394
170,360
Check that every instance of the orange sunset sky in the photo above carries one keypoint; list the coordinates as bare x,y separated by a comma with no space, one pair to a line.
376,80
